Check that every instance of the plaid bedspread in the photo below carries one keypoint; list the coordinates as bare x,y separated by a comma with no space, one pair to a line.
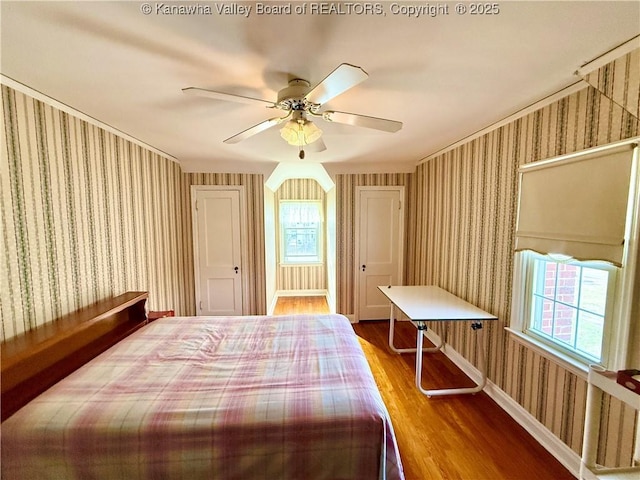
288,397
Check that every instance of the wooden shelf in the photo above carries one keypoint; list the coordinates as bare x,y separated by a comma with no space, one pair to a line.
37,359
606,381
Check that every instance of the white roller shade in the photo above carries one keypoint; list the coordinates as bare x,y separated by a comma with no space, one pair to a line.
576,206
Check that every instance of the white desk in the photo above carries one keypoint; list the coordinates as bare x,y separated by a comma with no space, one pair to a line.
423,304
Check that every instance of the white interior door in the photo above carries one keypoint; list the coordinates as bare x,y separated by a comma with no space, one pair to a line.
379,249
217,252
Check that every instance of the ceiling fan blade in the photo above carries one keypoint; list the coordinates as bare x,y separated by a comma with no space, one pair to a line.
317,146
229,97
344,77
249,132
362,121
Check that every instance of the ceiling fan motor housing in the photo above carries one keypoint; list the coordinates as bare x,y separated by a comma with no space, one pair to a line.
293,97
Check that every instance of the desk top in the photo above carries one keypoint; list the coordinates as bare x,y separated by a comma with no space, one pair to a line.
431,303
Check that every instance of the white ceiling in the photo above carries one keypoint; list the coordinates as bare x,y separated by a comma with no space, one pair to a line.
444,77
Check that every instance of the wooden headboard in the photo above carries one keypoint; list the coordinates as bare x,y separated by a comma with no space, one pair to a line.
34,361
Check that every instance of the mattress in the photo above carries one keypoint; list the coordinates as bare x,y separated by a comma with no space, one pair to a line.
285,397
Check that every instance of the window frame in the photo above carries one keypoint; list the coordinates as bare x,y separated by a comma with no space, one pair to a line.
282,226
557,346
521,317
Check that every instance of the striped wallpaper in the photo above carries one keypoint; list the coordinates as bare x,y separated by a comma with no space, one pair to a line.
620,81
86,214
301,277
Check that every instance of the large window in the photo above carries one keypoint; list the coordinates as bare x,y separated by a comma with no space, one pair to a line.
579,206
300,232
569,305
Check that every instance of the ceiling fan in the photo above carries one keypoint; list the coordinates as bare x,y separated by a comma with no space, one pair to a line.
300,102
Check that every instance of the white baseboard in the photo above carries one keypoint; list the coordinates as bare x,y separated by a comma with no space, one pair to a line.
301,293
556,447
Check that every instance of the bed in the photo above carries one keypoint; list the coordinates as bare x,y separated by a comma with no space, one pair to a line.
259,397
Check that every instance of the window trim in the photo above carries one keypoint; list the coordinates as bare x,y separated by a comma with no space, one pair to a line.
523,280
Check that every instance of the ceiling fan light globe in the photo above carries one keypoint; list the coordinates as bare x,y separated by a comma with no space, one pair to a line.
290,132
300,133
311,132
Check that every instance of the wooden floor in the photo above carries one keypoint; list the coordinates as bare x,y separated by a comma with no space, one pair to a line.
288,305
460,437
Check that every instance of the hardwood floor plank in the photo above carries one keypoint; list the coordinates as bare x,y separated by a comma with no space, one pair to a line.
466,437
301,304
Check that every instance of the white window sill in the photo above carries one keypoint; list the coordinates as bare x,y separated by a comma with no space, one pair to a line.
565,361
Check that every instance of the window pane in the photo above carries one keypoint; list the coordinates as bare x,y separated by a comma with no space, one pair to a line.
568,306
295,213
301,241
590,331
543,316
568,284
594,290
564,323
547,281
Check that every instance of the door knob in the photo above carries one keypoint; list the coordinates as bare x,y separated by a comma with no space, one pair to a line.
236,269
364,267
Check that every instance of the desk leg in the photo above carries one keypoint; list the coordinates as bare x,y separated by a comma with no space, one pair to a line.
392,323
477,327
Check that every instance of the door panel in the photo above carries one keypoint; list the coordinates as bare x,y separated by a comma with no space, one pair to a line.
220,296
379,221
379,249
218,252
374,299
